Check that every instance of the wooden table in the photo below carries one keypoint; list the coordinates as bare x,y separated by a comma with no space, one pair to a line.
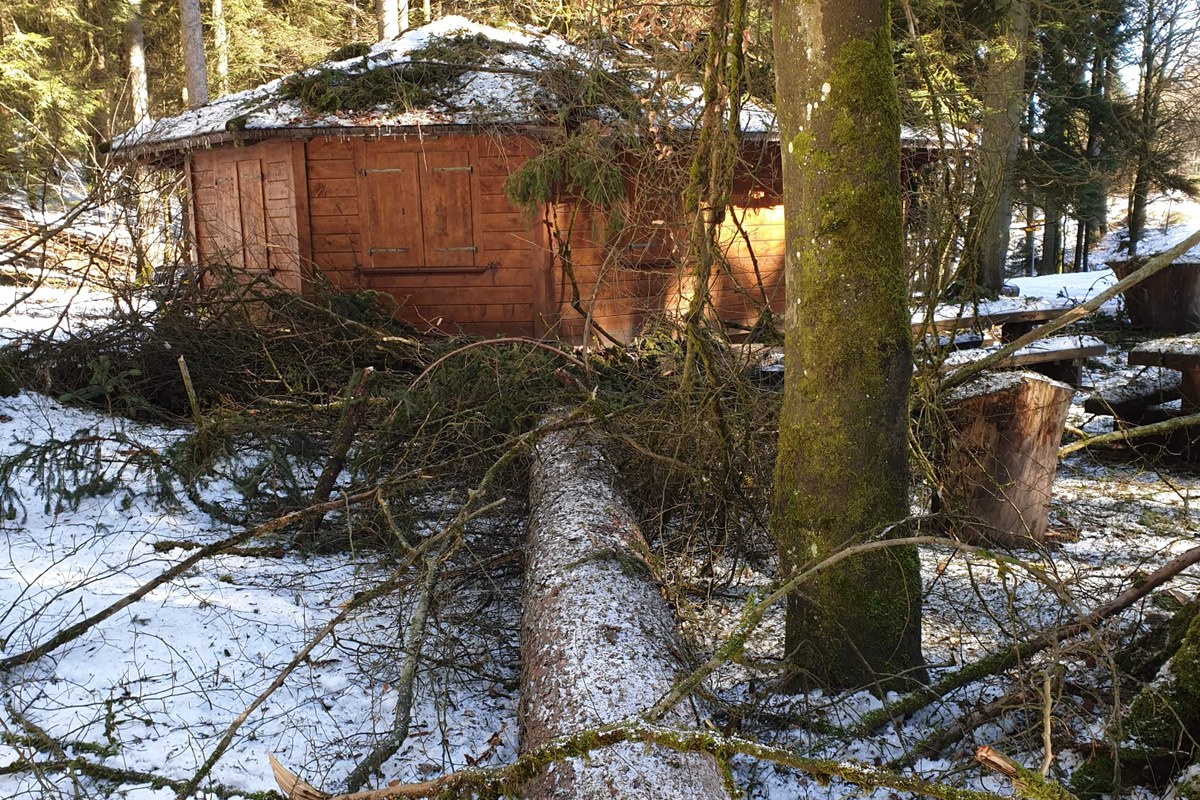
1013,315
1179,353
1057,357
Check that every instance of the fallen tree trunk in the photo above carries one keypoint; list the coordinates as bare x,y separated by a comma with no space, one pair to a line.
598,641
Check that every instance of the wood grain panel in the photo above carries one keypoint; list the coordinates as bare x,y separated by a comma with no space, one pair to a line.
390,192
492,184
333,206
512,222
446,218
337,243
252,205
330,148
225,245
452,297
477,313
333,187
336,261
339,224
499,204
336,169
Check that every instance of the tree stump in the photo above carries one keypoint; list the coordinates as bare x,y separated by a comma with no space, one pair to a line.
1005,431
598,640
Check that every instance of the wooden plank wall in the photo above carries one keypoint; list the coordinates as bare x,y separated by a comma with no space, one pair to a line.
246,211
493,292
358,231
623,296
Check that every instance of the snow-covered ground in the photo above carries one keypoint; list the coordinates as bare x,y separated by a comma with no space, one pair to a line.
154,688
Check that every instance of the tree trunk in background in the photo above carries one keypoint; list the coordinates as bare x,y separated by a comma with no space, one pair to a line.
999,143
842,470
191,34
1052,239
139,87
1156,56
145,211
389,19
221,45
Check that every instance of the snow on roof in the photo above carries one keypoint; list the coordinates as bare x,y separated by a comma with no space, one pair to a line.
502,88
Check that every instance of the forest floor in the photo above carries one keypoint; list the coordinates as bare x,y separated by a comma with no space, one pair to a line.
148,694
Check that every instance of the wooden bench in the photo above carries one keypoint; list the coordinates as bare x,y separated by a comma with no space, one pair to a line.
1129,397
1181,353
1057,357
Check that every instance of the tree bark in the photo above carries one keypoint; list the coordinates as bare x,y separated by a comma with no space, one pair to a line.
389,19
221,45
1052,239
996,479
139,91
191,35
146,223
598,641
999,143
842,468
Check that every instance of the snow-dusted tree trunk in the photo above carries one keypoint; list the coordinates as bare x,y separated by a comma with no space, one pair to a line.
191,36
598,640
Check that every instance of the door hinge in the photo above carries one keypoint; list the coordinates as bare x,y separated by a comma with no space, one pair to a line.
453,169
456,249
375,250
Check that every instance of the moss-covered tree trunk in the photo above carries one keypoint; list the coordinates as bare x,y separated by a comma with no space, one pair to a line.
841,474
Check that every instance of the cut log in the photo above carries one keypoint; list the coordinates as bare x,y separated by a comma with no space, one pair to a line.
999,466
598,640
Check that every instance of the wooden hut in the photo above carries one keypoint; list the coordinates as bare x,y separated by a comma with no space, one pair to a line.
387,170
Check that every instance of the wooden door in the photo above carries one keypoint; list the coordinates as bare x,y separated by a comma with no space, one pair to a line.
252,207
392,192
227,219
447,219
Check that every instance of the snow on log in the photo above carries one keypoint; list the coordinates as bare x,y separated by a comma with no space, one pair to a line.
1000,467
598,640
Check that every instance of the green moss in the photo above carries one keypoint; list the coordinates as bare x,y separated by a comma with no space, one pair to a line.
1162,723
842,465
431,72
1095,778
348,51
